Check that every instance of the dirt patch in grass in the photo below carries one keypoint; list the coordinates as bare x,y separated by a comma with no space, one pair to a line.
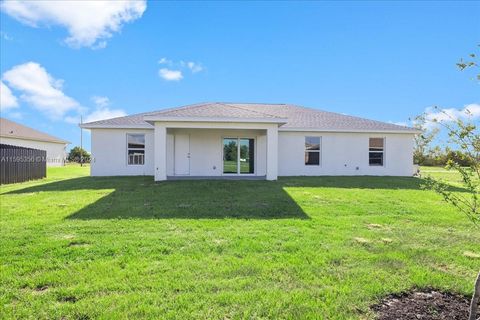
423,305
71,299
471,254
78,243
361,240
41,288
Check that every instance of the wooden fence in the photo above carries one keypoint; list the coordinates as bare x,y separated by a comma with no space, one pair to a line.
18,164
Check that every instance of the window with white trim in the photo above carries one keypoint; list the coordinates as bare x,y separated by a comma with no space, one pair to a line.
135,149
376,151
312,151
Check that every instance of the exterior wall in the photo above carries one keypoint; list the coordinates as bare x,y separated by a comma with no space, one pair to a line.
206,150
344,154
341,153
56,153
109,153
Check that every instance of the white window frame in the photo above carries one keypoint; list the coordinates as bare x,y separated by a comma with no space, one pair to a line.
312,151
380,152
128,149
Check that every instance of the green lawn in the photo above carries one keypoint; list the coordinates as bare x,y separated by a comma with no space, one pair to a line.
75,247
452,176
232,167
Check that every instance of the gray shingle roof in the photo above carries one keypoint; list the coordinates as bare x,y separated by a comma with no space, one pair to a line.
134,120
215,110
297,117
10,129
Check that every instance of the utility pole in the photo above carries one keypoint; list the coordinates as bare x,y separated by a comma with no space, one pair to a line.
81,141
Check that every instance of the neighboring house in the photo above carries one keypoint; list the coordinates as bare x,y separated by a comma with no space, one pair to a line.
15,134
248,139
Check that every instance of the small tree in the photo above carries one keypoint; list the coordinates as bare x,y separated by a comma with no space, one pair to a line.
465,135
423,140
467,163
79,155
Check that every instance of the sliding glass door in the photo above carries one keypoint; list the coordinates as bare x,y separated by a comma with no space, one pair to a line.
230,155
238,156
247,156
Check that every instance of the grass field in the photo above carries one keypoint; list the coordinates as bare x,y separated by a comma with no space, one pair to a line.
232,167
76,247
451,176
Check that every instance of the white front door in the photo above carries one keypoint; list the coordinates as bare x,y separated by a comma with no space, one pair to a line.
182,154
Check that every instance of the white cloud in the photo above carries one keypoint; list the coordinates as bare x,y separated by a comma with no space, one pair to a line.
434,115
194,67
104,113
96,115
101,101
165,61
170,75
174,71
89,23
101,112
473,110
40,89
43,92
7,99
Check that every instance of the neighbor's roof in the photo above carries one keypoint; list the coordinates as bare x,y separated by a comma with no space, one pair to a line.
10,129
290,117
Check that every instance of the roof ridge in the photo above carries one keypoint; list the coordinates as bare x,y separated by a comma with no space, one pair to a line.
264,103
191,106
250,110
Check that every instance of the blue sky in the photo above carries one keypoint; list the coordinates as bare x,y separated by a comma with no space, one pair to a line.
382,60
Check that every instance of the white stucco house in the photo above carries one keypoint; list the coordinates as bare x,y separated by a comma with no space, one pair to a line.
16,134
251,140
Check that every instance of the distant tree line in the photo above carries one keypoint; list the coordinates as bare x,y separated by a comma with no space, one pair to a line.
78,155
437,156
230,151
426,154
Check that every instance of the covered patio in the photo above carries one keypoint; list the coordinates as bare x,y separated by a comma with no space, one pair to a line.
216,149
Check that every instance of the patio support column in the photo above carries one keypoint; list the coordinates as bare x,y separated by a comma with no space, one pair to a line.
160,151
272,153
